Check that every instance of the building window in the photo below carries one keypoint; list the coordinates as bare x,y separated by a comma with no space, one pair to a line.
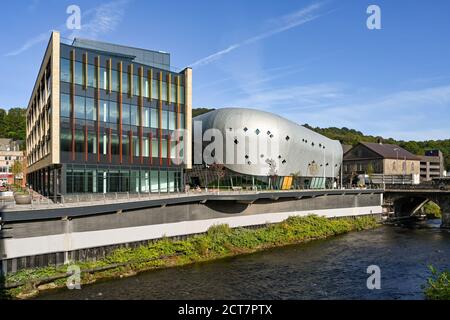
136,85
146,88
154,118
172,120
104,114
79,74
113,112
134,114
65,105
115,80
163,148
115,144
125,145
145,147
66,74
66,140
80,107
163,181
146,120
155,89
136,146
92,76
79,140
91,112
164,91
103,79
155,148
92,142
125,87
182,94
126,114
165,120
154,181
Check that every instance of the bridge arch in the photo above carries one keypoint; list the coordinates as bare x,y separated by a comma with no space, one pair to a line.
407,203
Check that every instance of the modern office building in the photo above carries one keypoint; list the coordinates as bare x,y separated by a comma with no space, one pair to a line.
431,165
264,150
102,117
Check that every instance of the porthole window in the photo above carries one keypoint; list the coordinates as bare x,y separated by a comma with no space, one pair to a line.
246,156
312,144
245,129
287,138
262,156
236,141
268,133
279,157
271,136
249,163
257,131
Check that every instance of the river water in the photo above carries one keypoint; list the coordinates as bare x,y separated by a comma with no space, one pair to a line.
333,268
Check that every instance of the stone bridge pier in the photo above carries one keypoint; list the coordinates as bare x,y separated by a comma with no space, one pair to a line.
408,202
445,207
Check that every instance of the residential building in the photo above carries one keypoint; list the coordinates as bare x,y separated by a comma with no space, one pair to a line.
9,153
431,165
383,163
102,117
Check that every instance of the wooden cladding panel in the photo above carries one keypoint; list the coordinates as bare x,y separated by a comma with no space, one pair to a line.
120,66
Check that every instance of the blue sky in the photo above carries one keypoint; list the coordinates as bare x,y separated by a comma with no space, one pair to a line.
310,61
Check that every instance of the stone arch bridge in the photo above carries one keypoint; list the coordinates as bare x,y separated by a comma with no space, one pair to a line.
407,200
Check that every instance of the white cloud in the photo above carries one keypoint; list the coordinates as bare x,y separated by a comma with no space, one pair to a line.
282,24
29,43
100,20
96,21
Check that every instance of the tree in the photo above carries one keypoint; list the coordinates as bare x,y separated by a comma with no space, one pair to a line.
16,169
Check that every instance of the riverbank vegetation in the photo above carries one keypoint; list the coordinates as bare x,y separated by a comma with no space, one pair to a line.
438,287
218,242
432,210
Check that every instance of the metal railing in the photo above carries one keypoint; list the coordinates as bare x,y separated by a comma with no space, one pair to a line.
89,199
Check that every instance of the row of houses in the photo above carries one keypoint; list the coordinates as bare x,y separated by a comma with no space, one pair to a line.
9,153
390,164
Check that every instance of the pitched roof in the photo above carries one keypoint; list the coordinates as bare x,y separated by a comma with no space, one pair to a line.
390,151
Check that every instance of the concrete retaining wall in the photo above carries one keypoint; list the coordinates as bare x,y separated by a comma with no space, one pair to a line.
54,242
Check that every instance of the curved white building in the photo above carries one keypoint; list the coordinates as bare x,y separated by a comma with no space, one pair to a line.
264,144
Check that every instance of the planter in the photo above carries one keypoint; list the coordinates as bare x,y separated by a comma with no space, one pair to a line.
22,199
6,194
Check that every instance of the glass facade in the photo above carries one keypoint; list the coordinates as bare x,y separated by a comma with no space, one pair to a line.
103,180
116,122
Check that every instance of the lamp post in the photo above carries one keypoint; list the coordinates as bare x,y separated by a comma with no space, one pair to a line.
324,168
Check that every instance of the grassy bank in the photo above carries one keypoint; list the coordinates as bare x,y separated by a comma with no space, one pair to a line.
219,242
438,287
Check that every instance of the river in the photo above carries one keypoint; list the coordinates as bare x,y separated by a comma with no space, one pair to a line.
333,268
